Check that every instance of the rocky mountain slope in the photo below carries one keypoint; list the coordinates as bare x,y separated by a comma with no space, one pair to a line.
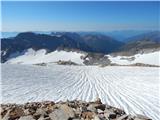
141,43
101,43
69,41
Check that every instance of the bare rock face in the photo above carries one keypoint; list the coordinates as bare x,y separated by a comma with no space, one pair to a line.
69,110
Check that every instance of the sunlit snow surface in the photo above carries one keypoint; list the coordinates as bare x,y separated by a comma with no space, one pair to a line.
145,58
134,89
31,56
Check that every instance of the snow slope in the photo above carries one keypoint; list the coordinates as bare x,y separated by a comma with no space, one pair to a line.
134,89
31,56
147,58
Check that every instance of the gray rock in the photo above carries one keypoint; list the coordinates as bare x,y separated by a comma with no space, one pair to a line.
118,111
68,110
26,118
42,118
96,118
63,113
59,114
100,111
109,114
26,112
92,108
123,117
40,111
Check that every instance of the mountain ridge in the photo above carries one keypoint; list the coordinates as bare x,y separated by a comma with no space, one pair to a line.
36,41
72,41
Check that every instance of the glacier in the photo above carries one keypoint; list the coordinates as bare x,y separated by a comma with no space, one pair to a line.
134,89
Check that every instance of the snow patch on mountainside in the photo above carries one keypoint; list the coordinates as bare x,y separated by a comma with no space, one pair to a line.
146,58
31,56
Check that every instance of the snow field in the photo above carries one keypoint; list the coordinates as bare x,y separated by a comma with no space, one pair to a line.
31,56
134,89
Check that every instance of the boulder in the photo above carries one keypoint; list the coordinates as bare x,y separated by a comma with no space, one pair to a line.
92,108
29,117
98,101
118,111
88,115
59,114
39,112
26,112
6,116
68,110
64,112
109,114
96,117
100,111
123,117
42,118
77,112
16,112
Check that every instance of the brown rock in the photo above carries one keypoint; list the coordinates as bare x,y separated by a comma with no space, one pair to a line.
16,113
88,115
6,116
98,101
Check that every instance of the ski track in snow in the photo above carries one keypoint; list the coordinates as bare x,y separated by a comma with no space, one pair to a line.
134,89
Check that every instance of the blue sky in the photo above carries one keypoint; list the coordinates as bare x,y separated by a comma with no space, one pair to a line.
79,16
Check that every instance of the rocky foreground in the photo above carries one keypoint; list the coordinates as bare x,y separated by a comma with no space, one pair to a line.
69,110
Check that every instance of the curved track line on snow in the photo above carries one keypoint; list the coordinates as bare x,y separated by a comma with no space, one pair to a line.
134,89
